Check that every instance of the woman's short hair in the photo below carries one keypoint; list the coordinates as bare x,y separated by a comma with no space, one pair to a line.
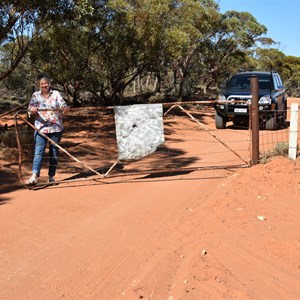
43,76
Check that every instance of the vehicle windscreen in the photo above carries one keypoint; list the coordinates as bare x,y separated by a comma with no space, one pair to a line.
242,82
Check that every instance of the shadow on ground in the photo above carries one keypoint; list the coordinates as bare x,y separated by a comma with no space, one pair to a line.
9,183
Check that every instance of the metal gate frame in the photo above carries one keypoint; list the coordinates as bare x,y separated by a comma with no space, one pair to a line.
102,177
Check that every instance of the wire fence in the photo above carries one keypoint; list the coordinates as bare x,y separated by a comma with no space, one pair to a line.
276,141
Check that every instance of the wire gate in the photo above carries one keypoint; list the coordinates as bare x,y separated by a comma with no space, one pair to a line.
89,150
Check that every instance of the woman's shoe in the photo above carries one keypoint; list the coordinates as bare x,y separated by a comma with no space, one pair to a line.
52,181
32,181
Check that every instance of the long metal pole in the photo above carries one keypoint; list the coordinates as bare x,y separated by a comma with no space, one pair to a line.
19,149
146,172
58,146
254,120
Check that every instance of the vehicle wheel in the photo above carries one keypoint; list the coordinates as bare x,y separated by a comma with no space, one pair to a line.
242,123
272,122
219,121
237,122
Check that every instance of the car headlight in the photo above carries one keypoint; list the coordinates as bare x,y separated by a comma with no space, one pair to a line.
264,100
221,98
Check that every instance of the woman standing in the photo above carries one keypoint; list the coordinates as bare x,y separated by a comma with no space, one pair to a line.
49,122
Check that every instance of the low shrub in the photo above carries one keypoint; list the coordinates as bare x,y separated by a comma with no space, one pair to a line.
9,145
281,149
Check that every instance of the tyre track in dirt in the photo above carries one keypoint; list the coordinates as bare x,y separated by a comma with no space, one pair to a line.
92,256
145,238
248,267
246,258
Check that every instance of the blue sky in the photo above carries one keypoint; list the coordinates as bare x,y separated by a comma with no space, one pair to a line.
281,17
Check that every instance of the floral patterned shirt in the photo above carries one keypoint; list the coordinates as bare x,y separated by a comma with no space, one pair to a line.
48,121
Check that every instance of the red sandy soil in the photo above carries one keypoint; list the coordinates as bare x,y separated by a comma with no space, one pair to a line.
228,233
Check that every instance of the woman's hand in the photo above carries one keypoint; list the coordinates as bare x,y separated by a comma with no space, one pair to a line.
66,108
33,110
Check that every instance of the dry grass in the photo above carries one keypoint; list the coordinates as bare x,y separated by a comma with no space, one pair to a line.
9,146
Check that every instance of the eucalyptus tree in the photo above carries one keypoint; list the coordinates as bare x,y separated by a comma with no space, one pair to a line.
105,51
102,46
291,75
71,52
154,37
270,59
225,49
194,40
23,21
193,28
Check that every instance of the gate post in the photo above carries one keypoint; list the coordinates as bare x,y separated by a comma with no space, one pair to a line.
254,121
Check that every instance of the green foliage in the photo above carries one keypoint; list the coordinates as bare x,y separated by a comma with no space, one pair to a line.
270,59
113,48
223,50
291,75
22,22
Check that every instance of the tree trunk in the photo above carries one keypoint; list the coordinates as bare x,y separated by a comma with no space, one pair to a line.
76,101
175,80
158,85
155,84
140,84
147,82
134,86
181,87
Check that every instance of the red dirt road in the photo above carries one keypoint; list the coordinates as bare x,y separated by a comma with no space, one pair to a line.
211,234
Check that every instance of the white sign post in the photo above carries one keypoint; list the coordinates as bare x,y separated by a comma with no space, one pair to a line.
293,141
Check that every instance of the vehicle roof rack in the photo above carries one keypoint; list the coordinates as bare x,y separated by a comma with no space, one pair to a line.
256,70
